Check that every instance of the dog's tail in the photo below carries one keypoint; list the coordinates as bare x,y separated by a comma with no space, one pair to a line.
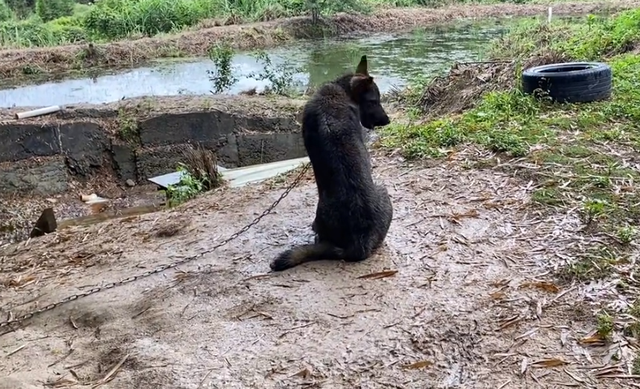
306,253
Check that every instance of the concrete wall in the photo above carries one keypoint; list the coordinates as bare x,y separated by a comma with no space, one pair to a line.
43,155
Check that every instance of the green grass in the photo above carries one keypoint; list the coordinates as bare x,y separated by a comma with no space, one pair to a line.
571,142
116,19
581,150
581,154
511,122
592,39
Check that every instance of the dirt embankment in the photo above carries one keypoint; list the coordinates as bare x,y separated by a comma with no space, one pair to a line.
107,149
466,83
20,64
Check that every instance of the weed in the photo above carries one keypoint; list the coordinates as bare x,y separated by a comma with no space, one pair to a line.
633,328
222,76
547,196
49,10
202,165
594,208
593,39
604,325
593,265
281,78
113,19
128,130
6,13
627,234
187,188
28,23
29,70
635,368
198,174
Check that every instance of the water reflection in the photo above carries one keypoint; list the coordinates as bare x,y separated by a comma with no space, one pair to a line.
394,60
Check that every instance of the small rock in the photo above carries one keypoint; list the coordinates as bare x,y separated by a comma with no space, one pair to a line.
130,183
45,224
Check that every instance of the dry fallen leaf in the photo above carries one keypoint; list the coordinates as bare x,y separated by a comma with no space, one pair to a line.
593,339
304,373
382,274
524,365
546,286
17,282
469,213
500,283
549,362
419,365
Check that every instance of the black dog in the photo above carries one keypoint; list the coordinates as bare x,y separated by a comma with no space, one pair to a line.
353,214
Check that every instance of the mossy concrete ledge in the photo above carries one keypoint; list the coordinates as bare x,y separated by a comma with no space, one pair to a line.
141,138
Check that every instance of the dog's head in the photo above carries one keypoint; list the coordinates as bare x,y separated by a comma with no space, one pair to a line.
366,94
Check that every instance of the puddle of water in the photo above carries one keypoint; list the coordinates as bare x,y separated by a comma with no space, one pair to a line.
394,59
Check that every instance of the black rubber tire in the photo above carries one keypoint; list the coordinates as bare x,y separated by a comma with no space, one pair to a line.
570,82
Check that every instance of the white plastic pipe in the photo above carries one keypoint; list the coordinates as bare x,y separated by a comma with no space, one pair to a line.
38,112
549,15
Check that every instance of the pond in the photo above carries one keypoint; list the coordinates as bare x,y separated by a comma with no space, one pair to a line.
394,60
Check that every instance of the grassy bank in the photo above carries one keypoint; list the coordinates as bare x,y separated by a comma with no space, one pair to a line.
579,156
60,22
47,62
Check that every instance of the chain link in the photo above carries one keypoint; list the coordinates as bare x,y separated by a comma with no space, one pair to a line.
161,268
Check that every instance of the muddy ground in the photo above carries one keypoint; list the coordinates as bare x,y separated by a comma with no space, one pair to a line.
55,62
470,304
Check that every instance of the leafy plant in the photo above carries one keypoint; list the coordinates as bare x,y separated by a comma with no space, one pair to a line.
198,174
222,75
5,12
52,9
187,188
281,78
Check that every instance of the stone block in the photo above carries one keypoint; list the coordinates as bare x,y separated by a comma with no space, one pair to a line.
84,145
124,159
46,176
197,127
22,141
264,148
227,152
194,127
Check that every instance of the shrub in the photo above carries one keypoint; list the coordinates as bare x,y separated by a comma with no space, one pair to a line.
21,8
33,33
114,19
5,12
53,9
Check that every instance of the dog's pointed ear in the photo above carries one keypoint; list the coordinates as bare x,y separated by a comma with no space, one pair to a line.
359,83
362,66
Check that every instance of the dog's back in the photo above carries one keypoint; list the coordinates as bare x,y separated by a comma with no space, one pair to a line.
334,140
353,214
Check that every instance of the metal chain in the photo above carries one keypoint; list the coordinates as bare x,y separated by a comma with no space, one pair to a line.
160,268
